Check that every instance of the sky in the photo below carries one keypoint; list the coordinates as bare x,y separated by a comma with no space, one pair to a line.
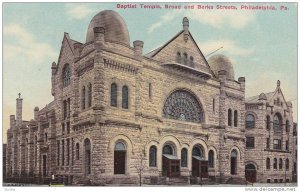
262,45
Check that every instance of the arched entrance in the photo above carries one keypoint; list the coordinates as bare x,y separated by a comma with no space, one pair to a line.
171,164
119,158
233,162
199,165
250,173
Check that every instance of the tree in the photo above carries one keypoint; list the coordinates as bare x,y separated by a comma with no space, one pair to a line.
140,165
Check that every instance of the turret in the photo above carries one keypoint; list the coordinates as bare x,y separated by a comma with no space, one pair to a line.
185,25
138,48
19,110
53,69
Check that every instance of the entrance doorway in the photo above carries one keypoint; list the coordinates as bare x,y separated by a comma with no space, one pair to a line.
199,165
119,158
250,173
233,162
171,164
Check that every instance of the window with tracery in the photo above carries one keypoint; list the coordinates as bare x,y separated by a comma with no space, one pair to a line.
277,123
66,76
182,105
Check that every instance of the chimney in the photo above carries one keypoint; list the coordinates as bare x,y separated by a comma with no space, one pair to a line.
54,69
19,109
242,81
36,111
138,48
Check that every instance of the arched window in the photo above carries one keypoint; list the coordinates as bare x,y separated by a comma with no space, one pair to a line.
178,57
87,156
275,163
119,158
287,164
185,58
280,163
268,122
66,75
184,157
235,119
229,117
125,97
277,123
198,152
89,95
233,162
113,95
211,159
250,121
168,150
268,163
184,106
152,156
83,98
287,126
77,151
192,64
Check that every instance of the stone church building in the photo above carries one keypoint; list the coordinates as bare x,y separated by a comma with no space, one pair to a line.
171,114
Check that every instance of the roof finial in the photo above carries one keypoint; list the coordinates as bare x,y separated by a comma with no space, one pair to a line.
278,83
185,23
19,95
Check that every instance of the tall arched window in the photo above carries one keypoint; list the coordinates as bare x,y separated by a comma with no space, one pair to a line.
277,123
178,57
184,157
77,151
275,163
268,122
250,121
83,98
287,126
89,95
113,95
152,156
211,160
229,117
233,162
87,156
268,163
280,163
66,75
125,97
192,64
119,158
185,58
287,164
235,118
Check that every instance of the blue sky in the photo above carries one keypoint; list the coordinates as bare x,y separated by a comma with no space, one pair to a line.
262,45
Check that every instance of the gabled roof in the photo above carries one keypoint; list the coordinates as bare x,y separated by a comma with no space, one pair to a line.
255,99
70,42
156,51
47,107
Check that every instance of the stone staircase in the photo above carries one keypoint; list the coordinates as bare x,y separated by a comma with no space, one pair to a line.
178,181
236,180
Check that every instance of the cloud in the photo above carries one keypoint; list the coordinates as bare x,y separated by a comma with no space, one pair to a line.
216,18
78,11
229,46
23,46
219,18
166,18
